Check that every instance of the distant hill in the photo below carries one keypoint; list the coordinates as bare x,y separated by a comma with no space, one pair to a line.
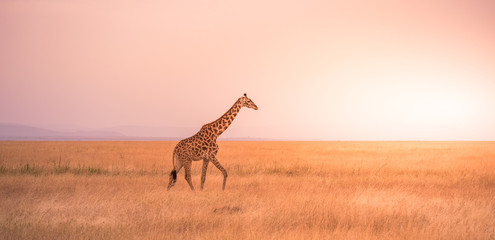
15,130
9,131
154,132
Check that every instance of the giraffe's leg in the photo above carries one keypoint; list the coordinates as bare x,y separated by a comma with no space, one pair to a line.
173,174
224,172
187,169
203,172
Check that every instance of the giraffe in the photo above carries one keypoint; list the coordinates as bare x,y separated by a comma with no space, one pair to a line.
203,145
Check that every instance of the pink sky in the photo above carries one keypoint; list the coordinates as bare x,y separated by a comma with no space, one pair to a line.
321,70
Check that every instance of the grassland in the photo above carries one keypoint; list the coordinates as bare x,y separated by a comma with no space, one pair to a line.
275,190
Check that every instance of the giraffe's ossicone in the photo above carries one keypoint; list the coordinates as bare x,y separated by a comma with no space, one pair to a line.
203,145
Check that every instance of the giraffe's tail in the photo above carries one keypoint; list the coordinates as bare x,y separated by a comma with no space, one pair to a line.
173,174
172,179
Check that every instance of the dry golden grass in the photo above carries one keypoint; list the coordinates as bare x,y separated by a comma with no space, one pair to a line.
275,190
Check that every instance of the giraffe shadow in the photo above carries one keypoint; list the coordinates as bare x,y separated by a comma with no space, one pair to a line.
227,210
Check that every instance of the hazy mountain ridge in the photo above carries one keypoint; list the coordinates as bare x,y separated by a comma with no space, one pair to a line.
9,131
153,131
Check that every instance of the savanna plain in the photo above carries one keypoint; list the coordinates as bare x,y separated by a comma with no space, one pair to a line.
275,190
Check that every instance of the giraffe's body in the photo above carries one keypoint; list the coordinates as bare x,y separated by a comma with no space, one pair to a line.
203,145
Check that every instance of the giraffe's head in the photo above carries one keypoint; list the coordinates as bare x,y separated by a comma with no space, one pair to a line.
246,102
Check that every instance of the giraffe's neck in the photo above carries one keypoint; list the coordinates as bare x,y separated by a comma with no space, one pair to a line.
221,124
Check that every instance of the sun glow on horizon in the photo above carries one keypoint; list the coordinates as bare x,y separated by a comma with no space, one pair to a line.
439,109
436,103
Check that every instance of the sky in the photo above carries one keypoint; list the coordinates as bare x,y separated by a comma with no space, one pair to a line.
318,70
